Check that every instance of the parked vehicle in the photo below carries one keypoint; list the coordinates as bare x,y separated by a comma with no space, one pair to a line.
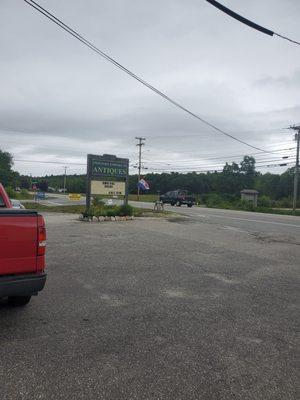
17,204
178,197
22,252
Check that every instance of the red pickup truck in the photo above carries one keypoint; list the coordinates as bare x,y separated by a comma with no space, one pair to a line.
22,252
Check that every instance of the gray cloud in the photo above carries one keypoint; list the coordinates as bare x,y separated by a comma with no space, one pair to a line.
59,101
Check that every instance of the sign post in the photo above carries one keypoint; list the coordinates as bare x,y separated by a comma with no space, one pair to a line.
107,175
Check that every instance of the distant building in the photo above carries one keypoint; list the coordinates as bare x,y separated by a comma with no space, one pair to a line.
250,195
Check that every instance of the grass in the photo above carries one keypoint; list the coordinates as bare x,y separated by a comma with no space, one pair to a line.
279,211
72,209
79,209
265,210
148,198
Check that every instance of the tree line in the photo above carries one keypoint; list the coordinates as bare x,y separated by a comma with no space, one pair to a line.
228,183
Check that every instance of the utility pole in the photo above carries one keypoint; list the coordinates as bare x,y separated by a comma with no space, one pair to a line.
65,178
296,175
140,144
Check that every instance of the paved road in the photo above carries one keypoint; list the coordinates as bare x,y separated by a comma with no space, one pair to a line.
180,309
236,219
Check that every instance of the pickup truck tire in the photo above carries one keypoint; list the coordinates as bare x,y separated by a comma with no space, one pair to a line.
178,204
190,205
16,301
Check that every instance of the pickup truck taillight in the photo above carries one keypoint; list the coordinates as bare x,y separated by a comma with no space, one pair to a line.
41,241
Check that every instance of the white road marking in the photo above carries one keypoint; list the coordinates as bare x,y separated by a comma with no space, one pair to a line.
251,220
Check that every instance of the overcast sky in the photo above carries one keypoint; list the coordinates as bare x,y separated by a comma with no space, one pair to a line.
60,101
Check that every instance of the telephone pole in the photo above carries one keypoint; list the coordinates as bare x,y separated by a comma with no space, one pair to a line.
140,144
296,175
65,178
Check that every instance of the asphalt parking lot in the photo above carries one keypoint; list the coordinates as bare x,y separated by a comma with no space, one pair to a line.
186,308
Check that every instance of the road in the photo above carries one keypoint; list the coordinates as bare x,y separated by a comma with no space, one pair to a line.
200,307
256,222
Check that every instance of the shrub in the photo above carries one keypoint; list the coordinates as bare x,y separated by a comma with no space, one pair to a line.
215,201
99,212
264,201
284,203
245,205
124,210
11,193
98,201
111,213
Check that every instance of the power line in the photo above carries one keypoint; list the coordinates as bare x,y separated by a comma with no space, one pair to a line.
213,166
248,22
145,161
232,133
87,43
218,169
224,157
49,162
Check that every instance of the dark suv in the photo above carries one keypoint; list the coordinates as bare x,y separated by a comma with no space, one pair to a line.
178,197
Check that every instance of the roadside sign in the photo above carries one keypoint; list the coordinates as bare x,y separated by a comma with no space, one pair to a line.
107,175
40,195
108,187
74,196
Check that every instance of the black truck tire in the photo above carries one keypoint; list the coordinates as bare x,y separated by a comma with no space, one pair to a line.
17,301
190,205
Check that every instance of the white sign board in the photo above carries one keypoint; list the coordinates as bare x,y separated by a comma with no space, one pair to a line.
108,188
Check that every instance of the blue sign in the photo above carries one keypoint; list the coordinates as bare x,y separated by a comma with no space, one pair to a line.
40,195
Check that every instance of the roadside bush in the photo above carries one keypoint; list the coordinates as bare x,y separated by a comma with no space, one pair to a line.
284,203
11,193
264,201
124,210
98,201
111,213
215,201
244,205
99,212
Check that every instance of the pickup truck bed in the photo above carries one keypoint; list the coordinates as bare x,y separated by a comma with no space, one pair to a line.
22,253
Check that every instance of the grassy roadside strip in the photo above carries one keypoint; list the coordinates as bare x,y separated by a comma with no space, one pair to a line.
264,210
147,198
79,209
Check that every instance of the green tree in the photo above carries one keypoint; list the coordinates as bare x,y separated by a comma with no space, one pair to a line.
8,177
24,182
248,170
